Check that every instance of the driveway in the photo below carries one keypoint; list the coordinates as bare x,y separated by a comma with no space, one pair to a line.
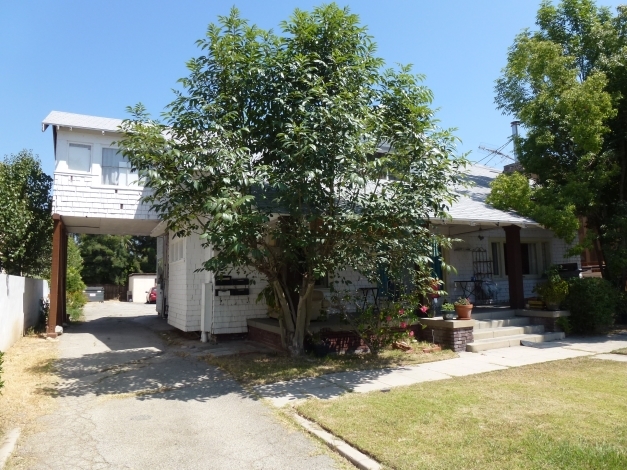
128,401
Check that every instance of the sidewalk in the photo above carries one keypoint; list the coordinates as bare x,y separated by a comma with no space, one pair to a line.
333,385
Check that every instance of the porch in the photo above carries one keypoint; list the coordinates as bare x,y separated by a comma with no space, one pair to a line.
491,327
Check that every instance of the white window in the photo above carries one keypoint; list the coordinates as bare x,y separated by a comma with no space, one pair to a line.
79,157
177,249
116,169
535,257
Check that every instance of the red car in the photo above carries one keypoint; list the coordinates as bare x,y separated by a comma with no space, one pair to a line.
151,296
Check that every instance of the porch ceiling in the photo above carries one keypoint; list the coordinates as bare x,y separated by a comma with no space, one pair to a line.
109,226
460,227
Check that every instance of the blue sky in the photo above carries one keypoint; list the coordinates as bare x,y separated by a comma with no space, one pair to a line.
97,57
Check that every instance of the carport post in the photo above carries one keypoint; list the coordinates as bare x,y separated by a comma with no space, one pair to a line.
57,313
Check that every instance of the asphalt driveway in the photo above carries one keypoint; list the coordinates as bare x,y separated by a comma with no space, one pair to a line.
129,401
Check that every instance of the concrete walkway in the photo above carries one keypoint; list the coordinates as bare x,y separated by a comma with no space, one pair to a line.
333,385
127,401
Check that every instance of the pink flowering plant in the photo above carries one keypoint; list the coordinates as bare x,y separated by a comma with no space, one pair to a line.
388,321
380,328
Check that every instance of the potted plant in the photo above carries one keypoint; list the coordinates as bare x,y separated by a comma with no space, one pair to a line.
553,291
448,311
463,308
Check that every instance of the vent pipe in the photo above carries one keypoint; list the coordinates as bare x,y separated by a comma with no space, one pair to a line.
514,138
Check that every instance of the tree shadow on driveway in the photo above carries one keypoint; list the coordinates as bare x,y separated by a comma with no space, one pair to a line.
124,357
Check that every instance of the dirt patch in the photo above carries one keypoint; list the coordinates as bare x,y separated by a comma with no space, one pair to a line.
28,376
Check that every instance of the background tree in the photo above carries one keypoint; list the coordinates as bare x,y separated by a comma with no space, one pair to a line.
109,259
298,156
566,83
25,216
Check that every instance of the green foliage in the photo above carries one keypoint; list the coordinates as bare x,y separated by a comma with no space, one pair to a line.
513,192
462,301
75,298
565,82
593,303
25,216
380,328
109,259
554,290
564,324
448,307
278,149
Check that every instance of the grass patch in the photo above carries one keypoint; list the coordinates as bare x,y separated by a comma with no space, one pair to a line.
565,415
620,351
28,374
259,369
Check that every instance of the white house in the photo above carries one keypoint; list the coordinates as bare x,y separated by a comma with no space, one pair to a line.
499,256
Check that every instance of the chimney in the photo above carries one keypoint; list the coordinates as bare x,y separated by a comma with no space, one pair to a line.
512,167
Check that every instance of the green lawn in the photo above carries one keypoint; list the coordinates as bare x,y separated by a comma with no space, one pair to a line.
258,369
569,414
620,351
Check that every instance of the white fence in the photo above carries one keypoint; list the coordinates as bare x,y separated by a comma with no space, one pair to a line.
19,306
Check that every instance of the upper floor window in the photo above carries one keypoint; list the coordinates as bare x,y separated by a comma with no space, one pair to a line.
79,157
116,169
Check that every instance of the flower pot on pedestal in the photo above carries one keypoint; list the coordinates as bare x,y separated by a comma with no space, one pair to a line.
463,311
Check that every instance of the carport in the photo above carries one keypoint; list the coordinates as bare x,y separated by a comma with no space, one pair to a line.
95,191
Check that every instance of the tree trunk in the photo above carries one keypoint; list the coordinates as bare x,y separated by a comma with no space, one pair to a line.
298,341
280,294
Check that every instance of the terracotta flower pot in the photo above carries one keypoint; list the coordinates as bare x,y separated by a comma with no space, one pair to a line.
463,311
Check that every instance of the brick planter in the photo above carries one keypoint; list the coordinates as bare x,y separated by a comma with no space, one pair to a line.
547,318
451,334
266,332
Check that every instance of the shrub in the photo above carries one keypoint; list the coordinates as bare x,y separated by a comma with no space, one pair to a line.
75,301
555,290
593,303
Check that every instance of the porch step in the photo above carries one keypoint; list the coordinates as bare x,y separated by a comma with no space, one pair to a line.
487,333
509,341
496,314
518,321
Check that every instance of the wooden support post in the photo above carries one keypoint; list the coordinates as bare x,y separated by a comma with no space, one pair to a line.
514,267
56,315
63,304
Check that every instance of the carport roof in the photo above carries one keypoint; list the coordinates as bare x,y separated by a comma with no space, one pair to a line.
81,121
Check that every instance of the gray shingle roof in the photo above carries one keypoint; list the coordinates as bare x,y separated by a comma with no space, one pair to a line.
471,206
81,121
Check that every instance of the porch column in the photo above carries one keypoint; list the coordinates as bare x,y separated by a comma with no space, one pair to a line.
514,266
57,313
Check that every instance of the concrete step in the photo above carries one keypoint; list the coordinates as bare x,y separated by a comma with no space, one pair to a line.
518,321
486,333
496,314
509,341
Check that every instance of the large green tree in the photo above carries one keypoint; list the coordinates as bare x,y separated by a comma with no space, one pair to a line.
298,155
109,259
25,216
566,82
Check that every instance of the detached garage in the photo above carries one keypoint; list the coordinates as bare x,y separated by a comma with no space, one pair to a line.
139,284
